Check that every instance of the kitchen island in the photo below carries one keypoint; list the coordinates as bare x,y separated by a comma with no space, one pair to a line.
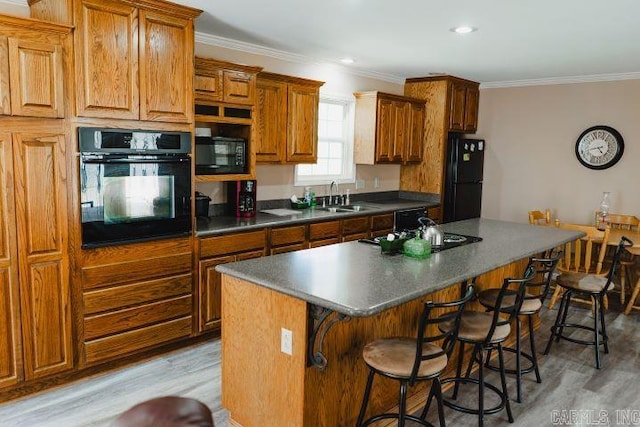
294,324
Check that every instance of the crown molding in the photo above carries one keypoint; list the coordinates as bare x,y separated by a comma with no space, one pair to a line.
594,78
223,42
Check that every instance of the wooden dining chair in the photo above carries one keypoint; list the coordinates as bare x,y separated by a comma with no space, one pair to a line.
578,255
627,261
540,218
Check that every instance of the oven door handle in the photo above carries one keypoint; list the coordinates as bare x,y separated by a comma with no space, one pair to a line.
129,160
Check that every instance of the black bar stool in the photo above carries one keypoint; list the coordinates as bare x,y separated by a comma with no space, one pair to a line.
487,331
535,294
408,360
595,287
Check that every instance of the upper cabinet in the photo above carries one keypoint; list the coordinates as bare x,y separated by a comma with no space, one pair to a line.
464,97
219,81
286,119
134,60
388,128
32,68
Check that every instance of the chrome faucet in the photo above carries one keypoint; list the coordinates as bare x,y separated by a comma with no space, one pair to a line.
331,201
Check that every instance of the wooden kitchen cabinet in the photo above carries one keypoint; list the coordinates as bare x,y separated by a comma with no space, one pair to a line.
135,297
355,228
35,247
133,60
388,128
287,239
213,251
463,116
453,106
32,68
382,224
220,81
287,119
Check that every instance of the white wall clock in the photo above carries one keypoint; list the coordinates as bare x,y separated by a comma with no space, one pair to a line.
599,147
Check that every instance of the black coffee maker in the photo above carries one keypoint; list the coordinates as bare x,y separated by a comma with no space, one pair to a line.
241,198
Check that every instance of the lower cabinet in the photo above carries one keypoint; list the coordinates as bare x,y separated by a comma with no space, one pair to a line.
35,298
135,297
216,250
355,228
324,233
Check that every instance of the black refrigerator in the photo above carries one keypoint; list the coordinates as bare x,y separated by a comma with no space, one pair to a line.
463,178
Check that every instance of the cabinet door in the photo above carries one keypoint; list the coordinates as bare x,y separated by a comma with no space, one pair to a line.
302,113
37,86
239,87
210,282
10,340
401,134
207,85
271,121
106,51
166,72
5,94
41,213
415,141
472,98
456,114
385,131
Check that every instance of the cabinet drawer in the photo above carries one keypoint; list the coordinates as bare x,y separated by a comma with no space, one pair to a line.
136,317
435,214
232,243
382,222
355,225
352,237
288,248
117,297
325,230
288,235
324,242
137,339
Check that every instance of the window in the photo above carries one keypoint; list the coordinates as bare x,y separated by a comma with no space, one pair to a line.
335,144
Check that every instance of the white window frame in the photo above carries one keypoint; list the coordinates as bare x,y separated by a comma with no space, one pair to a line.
349,168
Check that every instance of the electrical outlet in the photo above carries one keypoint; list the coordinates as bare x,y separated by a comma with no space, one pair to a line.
286,341
376,182
359,184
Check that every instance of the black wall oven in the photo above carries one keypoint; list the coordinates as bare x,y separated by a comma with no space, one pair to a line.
135,185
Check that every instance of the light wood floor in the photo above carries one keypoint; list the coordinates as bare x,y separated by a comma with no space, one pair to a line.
570,383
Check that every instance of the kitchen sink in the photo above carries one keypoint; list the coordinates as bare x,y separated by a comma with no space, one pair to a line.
350,208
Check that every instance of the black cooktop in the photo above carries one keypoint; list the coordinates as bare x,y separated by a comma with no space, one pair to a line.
451,240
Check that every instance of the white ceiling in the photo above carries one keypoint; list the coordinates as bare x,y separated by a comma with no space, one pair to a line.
516,39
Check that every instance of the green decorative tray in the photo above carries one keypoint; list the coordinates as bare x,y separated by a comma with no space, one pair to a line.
300,204
391,246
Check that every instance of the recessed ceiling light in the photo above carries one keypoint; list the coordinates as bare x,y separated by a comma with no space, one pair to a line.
347,61
464,29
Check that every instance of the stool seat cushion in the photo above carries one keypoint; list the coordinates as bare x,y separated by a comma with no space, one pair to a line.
475,325
396,356
530,305
582,282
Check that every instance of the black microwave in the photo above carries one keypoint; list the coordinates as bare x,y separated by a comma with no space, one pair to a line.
220,155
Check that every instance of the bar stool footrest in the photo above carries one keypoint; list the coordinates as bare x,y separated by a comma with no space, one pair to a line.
448,402
554,328
525,370
390,416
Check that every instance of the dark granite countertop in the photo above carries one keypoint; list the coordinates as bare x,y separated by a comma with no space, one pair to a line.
356,279
229,224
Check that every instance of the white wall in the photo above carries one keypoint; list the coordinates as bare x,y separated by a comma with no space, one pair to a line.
531,164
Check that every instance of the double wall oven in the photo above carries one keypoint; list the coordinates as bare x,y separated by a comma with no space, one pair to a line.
135,185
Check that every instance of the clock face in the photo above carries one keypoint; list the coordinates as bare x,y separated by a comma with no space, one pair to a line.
599,147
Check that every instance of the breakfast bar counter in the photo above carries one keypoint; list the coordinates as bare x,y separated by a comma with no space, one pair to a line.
294,324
